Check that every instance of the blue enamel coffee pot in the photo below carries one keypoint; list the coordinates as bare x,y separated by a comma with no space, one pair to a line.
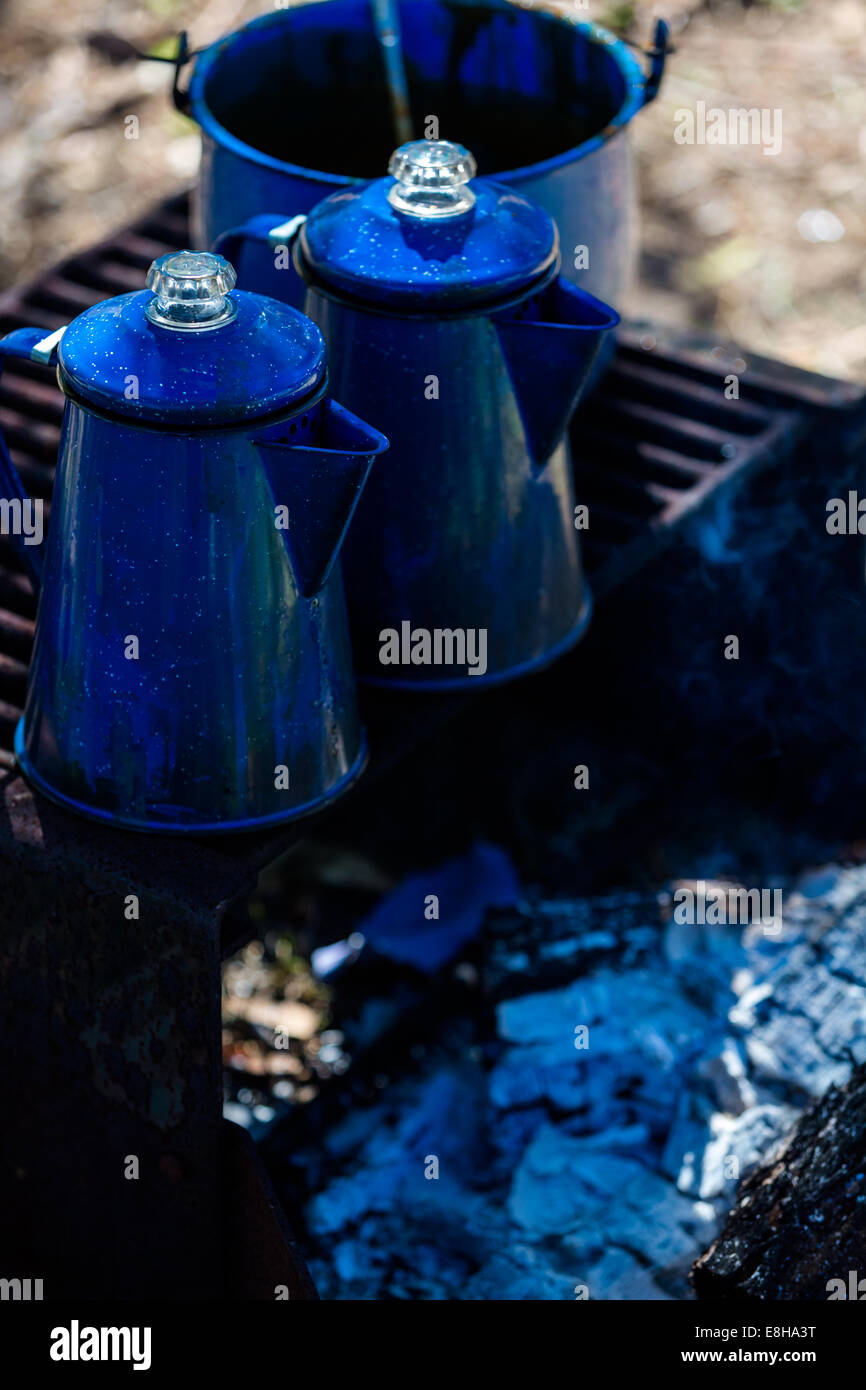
447,321
191,669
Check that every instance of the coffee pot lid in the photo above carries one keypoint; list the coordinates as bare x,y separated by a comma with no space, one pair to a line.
430,237
190,350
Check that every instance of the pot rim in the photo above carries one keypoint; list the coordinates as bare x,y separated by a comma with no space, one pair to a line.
176,428
633,76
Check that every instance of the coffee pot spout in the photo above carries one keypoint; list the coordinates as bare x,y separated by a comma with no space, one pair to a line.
319,484
550,345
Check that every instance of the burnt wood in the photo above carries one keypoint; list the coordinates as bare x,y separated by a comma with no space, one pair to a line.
799,1222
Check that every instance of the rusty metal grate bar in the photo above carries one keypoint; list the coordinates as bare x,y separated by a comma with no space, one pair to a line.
655,444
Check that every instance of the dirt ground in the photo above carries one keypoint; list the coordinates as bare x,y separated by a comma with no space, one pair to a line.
765,250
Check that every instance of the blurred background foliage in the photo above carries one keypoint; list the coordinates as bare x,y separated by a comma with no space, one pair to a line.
765,251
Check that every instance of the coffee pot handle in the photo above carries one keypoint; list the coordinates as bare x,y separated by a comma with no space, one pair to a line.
180,59
28,345
661,47
265,229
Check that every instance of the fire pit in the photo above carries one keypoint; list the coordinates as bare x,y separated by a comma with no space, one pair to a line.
720,507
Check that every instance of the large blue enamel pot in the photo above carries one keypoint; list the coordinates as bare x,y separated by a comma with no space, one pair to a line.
293,107
192,669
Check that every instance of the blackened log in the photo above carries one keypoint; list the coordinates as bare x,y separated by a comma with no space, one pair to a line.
800,1220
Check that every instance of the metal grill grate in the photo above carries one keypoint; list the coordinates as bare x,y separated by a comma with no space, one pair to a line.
655,444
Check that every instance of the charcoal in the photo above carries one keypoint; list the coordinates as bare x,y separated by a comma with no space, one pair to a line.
619,1276
785,1050
547,944
600,1171
725,1073
624,1010
708,1155
595,1200
521,1274
545,1205
638,1030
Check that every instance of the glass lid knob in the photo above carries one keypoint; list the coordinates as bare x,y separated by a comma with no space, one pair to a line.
190,290
432,179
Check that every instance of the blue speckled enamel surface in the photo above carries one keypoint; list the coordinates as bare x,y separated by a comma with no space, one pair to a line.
469,523
191,670
170,539
268,357
356,242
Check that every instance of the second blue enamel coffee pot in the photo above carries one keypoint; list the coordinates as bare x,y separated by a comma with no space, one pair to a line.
448,323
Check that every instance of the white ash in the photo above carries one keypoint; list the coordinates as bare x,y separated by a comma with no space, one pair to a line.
606,1170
